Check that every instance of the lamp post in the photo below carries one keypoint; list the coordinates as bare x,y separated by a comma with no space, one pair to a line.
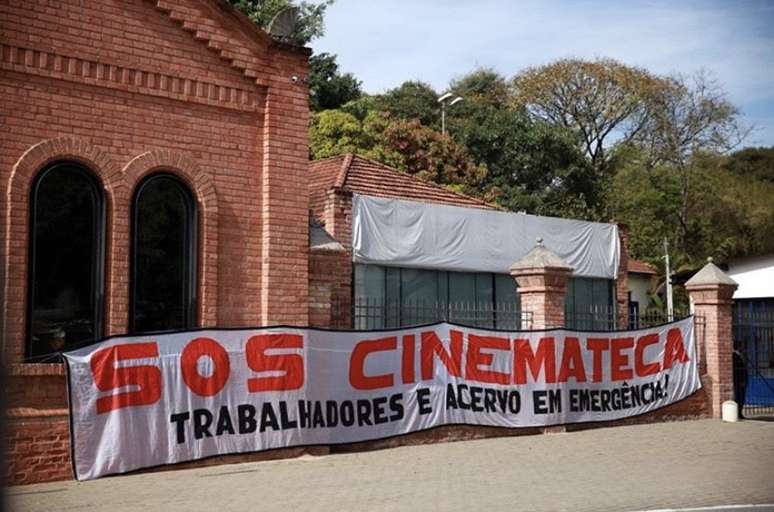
451,99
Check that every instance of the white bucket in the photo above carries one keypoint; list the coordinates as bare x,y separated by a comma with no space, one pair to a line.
730,411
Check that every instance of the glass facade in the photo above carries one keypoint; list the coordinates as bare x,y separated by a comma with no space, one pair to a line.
590,304
386,297
391,297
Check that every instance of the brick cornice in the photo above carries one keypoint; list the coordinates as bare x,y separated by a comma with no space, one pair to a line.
231,49
131,79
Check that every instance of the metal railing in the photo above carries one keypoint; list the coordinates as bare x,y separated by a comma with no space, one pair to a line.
754,361
365,313
606,318
370,313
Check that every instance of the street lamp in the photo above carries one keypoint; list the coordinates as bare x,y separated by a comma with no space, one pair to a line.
443,100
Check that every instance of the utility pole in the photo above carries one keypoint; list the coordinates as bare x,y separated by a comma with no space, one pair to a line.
670,304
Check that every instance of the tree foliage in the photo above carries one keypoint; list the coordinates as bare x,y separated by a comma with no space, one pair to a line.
756,163
689,118
412,100
532,166
601,100
329,88
727,213
401,143
310,16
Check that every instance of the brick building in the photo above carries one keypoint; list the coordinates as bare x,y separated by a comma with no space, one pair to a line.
155,176
175,117
333,184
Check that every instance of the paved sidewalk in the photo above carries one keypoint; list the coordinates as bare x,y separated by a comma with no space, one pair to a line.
659,466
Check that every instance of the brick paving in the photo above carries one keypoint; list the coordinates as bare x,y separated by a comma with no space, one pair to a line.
657,466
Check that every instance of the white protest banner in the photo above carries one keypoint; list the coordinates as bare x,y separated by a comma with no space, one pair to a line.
147,400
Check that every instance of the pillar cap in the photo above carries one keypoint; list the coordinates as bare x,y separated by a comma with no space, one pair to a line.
540,256
710,274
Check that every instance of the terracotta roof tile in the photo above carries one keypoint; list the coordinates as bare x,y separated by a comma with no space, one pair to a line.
641,267
363,176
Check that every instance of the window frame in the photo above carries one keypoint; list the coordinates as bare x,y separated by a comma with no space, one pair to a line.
192,251
99,237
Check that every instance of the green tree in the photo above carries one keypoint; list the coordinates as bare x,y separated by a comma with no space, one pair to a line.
310,16
328,88
603,101
757,163
689,118
483,86
727,213
333,132
532,165
412,100
401,143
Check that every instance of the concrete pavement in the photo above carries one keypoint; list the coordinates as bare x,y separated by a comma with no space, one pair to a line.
643,467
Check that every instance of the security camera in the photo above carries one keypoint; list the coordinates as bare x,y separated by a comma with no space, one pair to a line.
294,78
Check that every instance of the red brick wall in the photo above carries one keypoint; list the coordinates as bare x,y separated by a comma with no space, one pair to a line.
330,278
127,87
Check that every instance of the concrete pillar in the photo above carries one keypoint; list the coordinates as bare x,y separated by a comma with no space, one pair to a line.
711,292
542,279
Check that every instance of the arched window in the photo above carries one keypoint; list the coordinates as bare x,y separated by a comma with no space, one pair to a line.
66,260
163,255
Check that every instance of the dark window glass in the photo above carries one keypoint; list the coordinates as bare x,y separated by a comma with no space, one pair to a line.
394,297
164,259
66,260
507,303
589,303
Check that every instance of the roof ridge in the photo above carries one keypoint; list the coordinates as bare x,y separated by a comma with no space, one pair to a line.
414,178
334,157
341,177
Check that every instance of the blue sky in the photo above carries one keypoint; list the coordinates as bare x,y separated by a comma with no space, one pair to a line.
385,42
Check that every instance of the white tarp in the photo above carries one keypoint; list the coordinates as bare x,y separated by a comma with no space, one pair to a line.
422,235
142,401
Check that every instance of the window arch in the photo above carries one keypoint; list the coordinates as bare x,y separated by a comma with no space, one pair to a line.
65,301
164,263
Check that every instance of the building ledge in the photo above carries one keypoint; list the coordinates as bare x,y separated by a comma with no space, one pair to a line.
35,369
31,412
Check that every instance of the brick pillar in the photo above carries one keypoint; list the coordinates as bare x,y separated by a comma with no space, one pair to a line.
711,292
338,216
542,279
284,213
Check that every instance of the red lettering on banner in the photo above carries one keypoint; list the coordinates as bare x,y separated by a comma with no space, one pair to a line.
597,347
572,361
292,365
642,368
432,345
675,349
107,377
357,377
189,365
619,362
475,359
544,358
407,365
